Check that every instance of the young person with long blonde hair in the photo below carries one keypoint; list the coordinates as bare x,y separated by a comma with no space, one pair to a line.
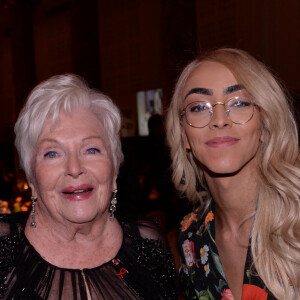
234,146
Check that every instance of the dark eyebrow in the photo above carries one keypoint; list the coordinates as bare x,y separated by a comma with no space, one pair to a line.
202,91
232,89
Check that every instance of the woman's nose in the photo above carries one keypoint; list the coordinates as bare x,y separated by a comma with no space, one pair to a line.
220,117
74,166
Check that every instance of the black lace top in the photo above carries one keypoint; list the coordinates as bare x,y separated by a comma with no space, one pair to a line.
142,269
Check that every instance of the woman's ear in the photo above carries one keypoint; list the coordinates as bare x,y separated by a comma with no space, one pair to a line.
114,182
262,135
185,139
33,190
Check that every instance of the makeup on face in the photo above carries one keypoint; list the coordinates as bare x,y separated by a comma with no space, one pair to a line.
209,92
78,192
221,142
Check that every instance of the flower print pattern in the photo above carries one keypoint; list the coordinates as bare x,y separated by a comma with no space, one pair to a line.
188,255
204,254
204,295
292,289
184,269
206,269
209,217
252,292
201,274
226,295
187,221
192,247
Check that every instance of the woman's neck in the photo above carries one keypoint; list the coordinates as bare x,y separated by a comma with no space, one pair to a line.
85,246
235,196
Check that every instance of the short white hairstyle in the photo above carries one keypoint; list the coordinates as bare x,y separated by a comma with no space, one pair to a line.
64,93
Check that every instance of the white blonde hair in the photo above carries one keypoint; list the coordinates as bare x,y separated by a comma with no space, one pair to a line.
64,93
275,239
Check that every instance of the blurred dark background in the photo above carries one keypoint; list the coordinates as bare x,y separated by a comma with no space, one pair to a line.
122,47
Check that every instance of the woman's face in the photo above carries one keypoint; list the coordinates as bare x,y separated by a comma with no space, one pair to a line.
74,174
222,147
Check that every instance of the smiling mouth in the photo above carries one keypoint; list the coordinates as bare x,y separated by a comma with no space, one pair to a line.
220,142
78,191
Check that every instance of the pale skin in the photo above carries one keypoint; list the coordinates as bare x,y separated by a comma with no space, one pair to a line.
74,231
230,168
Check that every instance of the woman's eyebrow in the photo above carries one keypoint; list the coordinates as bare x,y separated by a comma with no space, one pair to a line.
47,140
232,89
92,138
201,91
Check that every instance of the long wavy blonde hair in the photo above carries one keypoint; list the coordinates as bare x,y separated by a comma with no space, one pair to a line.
275,242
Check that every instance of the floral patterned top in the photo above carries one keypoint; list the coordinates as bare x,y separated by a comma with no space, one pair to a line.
201,273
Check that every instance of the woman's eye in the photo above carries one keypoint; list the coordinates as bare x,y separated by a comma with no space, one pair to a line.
241,103
51,154
92,151
199,108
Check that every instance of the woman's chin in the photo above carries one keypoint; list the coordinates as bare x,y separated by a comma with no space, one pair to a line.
222,169
80,217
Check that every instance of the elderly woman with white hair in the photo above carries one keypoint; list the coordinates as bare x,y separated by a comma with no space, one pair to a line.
234,145
71,246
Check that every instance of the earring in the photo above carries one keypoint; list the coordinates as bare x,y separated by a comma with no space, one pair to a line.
33,223
113,204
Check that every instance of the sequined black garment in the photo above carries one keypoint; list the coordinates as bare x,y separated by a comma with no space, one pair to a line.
142,269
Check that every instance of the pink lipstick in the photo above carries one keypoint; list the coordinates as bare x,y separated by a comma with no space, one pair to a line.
224,141
77,193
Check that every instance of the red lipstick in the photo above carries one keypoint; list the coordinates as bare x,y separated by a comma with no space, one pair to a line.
224,141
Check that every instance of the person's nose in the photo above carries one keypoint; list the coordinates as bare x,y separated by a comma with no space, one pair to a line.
220,117
74,166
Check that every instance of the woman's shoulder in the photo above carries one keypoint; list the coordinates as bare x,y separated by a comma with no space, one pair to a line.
19,217
11,226
144,230
147,247
12,223
147,239
149,229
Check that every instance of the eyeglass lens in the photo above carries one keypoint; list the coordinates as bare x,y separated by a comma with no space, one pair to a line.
239,110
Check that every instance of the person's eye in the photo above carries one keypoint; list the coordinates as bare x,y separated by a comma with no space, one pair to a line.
92,151
241,103
51,154
199,107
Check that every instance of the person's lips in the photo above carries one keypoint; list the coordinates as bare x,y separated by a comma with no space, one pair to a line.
77,193
224,141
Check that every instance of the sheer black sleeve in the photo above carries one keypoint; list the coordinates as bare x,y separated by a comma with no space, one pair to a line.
142,269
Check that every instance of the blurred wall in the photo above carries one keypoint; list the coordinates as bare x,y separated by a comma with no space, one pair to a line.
122,47
268,29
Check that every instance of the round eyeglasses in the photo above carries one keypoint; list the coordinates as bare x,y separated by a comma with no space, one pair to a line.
198,114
